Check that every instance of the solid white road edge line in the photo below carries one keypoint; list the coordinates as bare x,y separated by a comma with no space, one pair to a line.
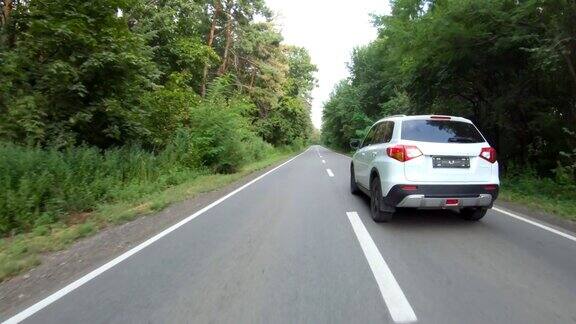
395,300
518,217
95,273
330,173
542,226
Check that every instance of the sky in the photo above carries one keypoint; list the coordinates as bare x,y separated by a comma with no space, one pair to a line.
330,30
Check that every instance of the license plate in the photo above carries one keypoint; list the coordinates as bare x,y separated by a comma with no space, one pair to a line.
461,162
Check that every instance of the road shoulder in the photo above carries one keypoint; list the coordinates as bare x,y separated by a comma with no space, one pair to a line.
537,215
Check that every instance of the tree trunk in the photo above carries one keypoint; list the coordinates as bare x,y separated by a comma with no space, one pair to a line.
229,20
252,79
568,58
217,10
6,11
569,54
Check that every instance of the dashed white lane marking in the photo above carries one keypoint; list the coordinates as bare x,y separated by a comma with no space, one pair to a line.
324,161
330,173
95,273
393,296
542,226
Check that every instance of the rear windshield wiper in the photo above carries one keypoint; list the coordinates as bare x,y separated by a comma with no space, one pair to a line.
461,139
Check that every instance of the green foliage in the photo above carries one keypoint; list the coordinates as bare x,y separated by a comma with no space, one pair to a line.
41,186
21,252
301,79
222,138
344,118
548,194
73,75
287,123
566,170
118,72
106,100
174,30
167,109
507,65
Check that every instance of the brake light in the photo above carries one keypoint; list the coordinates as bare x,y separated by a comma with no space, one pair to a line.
403,153
488,154
440,117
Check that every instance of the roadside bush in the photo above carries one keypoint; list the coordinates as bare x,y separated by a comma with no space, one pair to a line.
255,148
548,194
167,109
566,170
44,186
41,186
223,137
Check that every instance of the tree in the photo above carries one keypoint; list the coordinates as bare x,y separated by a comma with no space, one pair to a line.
507,65
174,30
217,10
74,75
115,72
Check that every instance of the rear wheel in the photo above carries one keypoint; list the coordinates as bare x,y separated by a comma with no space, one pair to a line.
378,215
353,185
473,214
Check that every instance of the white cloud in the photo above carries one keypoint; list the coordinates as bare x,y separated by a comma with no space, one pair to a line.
329,30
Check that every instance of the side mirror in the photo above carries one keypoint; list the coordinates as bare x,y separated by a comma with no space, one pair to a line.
355,143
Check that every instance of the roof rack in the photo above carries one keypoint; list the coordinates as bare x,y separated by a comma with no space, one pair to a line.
395,116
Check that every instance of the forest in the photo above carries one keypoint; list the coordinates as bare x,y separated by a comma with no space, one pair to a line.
109,99
508,65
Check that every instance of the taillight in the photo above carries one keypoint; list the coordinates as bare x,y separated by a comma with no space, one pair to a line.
403,153
488,154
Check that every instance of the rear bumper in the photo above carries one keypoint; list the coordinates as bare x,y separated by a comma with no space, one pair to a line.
435,196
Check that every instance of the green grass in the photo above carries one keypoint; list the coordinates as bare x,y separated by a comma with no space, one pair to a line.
541,194
22,251
43,186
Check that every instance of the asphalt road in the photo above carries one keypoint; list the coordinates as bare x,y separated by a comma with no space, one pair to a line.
297,247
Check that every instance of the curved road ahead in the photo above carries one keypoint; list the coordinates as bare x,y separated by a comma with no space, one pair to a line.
296,247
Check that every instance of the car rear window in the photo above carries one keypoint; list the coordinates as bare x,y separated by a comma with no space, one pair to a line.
440,131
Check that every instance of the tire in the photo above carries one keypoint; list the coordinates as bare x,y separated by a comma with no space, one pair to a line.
378,215
473,214
353,185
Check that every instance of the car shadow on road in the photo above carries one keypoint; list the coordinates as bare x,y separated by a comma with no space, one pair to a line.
419,218
414,217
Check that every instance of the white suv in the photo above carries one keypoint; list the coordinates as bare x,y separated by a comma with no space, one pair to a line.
425,162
